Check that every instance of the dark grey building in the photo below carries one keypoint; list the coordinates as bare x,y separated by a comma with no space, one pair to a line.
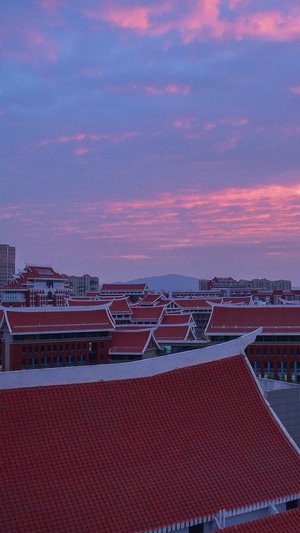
7,263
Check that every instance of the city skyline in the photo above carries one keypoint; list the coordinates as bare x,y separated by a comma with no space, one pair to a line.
148,138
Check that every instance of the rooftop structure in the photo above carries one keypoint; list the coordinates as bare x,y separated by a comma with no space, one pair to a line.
35,286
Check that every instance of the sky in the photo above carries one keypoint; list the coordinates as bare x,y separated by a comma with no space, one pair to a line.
142,138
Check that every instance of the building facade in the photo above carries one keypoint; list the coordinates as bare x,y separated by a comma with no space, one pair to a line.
35,286
275,354
7,263
55,337
81,285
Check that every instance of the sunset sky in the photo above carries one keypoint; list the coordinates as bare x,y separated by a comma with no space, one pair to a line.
147,138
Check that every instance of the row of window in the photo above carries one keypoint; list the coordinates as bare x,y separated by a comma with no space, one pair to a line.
281,371
272,352
58,361
61,348
59,336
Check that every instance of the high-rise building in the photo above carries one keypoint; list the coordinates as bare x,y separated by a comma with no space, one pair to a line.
80,285
7,263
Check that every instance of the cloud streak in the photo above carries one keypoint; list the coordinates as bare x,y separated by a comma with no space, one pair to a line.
188,218
78,137
202,20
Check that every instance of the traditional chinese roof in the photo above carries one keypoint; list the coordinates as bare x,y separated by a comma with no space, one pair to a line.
22,321
193,304
81,301
32,273
153,299
177,319
147,314
135,454
120,306
124,288
132,342
237,320
174,333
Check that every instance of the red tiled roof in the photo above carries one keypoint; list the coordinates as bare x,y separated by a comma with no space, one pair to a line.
150,299
41,271
176,319
32,272
173,333
116,305
123,287
37,320
288,522
193,303
131,342
274,320
120,306
147,314
139,454
83,302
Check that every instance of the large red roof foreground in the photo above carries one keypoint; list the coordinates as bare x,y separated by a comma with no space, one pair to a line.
137,454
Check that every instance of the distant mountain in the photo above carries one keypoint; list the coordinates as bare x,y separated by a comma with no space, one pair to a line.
170,282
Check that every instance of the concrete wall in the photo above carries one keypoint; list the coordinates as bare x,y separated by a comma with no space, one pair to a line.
286,404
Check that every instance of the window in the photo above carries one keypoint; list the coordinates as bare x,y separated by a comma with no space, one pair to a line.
196,529
69,360
291,505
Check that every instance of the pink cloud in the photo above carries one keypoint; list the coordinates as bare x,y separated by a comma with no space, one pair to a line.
124,136
226,120
228,144
295,89
184,122
169,89
135,18
202,20
28,45
35,38
81,151
154,90
65,139
62,139
191,218
51,5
